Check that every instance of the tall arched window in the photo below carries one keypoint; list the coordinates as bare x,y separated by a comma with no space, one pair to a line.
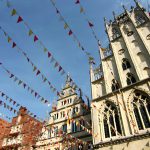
111,121
141,108
115,85
130,79
125,64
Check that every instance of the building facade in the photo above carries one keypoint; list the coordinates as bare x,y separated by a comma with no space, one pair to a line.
23,131
121,84
69,126
4,130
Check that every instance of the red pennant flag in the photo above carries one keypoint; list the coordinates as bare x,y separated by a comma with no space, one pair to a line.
19,19
35,38
14,44
38,72
49,54
90,24
77,2
70,32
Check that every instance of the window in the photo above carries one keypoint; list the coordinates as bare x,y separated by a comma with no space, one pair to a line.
140,19
115,85
64,128
82,123
49,133
141,108
111,121
130,79
74,127
115,33
55,131
125,64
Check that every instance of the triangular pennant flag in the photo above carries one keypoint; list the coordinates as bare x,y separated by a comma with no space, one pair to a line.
34,68
15,79
30,32
24,85
77,2
44,79
49,54
19,82
38,72
60,68
70,32
14,45
81,9
13,12
11,75
45,50
65,26
56,64
36,94
35,38
90,24
2,94
9,39
8,4
19,19
57,11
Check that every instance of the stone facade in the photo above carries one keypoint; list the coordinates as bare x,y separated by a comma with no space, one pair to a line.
121,85
4,130
69,125
23,131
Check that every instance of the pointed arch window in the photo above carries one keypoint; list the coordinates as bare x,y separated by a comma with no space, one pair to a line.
130,79
141,108
125,64
140,19
115,33
115,85
111,121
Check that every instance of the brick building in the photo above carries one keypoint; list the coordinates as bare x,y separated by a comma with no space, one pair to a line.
23,131
4,130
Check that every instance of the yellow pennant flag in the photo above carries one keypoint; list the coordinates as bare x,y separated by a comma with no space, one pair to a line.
81,9
34,68
45,49
14,12
103,49
30,32
65,26
9,39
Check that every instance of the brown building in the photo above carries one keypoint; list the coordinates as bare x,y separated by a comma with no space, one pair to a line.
4,130
22,132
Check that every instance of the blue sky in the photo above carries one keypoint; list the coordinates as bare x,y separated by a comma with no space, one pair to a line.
43,20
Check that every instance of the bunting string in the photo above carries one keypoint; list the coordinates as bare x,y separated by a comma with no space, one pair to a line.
8,107
70,31
35,68
25,86
36,39
16,104
90,24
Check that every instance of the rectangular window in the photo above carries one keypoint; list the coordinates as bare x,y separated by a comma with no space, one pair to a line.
55,131
49,133
64,128
74,127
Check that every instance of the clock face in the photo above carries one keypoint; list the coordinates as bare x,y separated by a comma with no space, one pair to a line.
121,51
